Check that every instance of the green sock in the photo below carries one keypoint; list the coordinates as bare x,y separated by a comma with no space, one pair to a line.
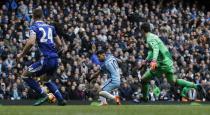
145,90
185,83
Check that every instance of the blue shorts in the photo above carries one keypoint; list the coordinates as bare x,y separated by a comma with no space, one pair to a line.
109,85
45,66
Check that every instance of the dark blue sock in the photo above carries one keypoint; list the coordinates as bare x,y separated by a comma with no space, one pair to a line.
33,85
53,88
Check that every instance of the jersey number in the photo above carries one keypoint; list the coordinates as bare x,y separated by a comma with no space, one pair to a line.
46,37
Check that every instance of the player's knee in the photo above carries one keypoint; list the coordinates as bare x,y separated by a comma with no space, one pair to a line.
101,92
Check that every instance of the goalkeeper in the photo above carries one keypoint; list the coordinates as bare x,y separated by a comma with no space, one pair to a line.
160,63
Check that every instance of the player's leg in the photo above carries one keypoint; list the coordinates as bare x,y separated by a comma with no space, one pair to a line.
103,100
107,88
101,95
54,89
36,69
27,77
145,84
169,72
185,83
173,79
107,94
52,67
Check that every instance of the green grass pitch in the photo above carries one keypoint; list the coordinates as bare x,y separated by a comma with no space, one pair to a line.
107,110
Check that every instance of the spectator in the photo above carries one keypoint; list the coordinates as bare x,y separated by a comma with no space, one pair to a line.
15,93
165,89
154,91
111,24
72,93
64,93
126,92
24,94
2,91
80,92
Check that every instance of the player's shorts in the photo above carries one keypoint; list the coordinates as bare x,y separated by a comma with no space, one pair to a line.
167,70
110,85
45,66
163,69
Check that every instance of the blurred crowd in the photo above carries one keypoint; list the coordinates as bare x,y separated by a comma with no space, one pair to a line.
90,25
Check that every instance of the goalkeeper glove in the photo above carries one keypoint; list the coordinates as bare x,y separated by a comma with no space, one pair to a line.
153,64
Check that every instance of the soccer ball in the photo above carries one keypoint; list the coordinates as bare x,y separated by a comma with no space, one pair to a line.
51,98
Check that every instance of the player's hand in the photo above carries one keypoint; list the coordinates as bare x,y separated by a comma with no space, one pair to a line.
20,55
153,64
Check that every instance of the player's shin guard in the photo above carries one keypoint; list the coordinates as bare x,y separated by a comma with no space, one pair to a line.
53,88
34,85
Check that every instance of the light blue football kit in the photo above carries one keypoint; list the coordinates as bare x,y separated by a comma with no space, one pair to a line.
110,66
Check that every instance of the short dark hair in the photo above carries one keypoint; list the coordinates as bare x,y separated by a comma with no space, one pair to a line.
100,52
145,27
37,13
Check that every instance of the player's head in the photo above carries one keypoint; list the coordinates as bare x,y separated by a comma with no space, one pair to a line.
37,14
145,27
101,55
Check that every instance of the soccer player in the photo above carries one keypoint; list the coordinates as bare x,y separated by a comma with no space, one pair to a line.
110,66
47,39
160,63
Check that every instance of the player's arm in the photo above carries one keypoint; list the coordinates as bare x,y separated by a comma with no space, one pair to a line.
155,49
149,55
60,43
155,52
30,42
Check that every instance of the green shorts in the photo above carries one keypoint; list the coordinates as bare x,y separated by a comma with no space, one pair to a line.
167,70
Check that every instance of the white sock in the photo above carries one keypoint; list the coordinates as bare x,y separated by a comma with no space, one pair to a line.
102,99
107,94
